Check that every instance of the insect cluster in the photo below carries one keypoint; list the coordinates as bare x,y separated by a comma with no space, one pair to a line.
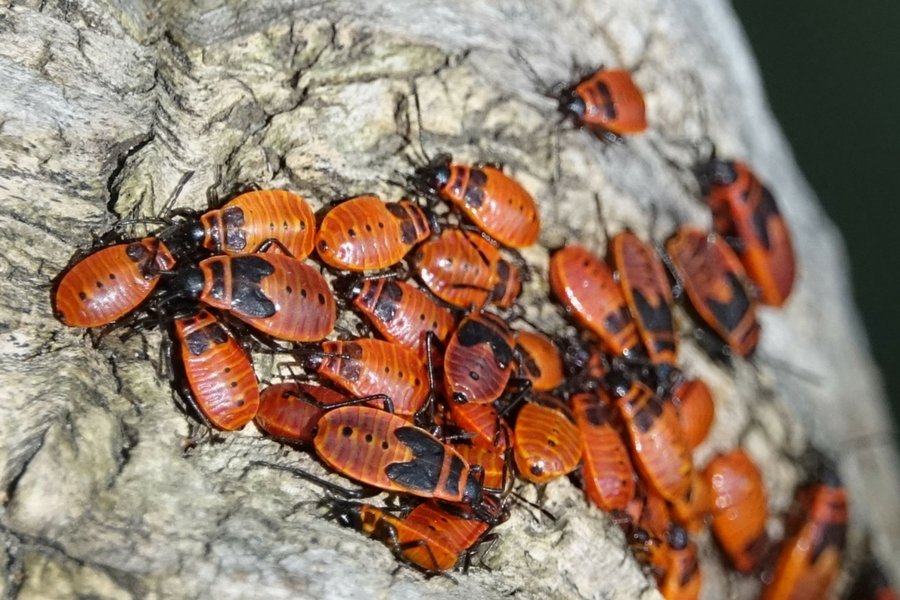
448,393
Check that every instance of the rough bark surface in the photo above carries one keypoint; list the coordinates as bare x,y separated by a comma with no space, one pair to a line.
105,106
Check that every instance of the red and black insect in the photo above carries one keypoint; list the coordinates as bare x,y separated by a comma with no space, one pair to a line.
539,361
587,290
682,579
478,361
714,280
739,509
250,222
364,233
483,422
493,462
811,554
108,284
401,312
659,453
609,477
369,367
218,375
492,200
607,103
466,271
645,286
746,215
696,410
547,443
288,411
278,295
429,538
385,451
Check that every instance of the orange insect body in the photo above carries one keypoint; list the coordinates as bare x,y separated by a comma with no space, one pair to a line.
810,557
402,313
587,290
745,213
108,284
646,290
366,367
484,422
384,451
429,537
253,218
219,374
696,410
286,413
365,233
660,454
713,279
465,270
608,472
492,200
493,461
547,443
541,362
739,508
606,102
276,294
478,359
682,579
692,512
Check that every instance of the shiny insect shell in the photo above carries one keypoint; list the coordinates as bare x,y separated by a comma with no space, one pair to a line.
693,512
108,284
586,288
429,537
540,361
491,199
385,451
661,456
644,284
714,281
364,233
492,460
366,367
288,411
696,410
402,313
682,579
739,508
547,443
478,359
218,373
276,294
465,270
609,477
810,557
746,215
253,219
607,102
483,421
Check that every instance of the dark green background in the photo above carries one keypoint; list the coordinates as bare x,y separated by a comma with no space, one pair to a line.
832,75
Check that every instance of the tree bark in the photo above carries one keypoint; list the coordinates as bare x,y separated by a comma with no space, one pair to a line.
106,107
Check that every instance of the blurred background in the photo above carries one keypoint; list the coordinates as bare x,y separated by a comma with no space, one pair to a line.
832,75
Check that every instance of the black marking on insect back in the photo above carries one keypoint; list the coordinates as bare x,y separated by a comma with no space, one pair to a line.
388,301
607,104
456,186
531,366
647,415
136,252
475,194
451,486
598,414
474,332
408,234
729,314
202,340
833,535
217,286
423,472
616,321
235,232
351,366
765,213
248,298
654,318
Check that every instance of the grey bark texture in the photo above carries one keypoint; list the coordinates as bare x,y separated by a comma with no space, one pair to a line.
105,106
